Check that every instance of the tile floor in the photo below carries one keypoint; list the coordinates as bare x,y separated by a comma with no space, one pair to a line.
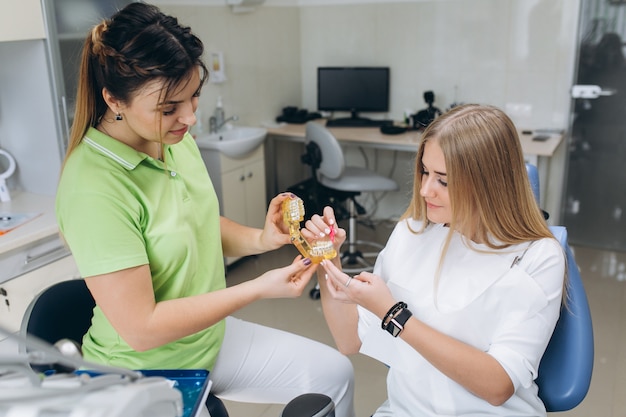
604,276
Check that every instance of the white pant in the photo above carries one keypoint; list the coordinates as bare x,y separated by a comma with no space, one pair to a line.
263,365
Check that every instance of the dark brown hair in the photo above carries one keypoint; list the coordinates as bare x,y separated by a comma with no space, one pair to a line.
136,45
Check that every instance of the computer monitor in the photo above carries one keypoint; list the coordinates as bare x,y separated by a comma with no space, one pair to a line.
353,89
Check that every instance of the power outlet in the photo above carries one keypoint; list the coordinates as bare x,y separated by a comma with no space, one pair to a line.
519,110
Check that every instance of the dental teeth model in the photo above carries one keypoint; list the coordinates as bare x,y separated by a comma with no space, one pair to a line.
293,214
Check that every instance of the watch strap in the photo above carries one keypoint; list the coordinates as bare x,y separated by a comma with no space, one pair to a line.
393,311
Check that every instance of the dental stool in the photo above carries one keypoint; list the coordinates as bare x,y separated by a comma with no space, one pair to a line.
326,158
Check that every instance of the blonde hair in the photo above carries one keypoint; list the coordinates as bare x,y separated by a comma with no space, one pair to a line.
487,179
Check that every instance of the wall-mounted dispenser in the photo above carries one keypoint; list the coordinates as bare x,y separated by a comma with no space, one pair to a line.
4,174
243,6
217,73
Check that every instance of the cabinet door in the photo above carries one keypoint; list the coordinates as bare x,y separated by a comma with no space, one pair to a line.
21,20
243,196
234,199
256,208
17,294
234,195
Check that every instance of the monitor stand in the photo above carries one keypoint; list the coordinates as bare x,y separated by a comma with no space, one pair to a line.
356,121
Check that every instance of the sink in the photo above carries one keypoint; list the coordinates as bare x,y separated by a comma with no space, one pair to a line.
234,142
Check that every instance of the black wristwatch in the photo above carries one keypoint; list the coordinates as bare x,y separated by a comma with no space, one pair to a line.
395,324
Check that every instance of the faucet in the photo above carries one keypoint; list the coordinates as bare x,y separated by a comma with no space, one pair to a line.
216,123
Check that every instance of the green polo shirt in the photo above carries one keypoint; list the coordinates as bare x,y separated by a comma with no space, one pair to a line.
118,208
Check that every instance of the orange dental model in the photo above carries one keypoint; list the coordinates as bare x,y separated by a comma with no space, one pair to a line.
293,214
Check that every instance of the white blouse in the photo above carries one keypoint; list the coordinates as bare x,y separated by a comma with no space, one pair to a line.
485,299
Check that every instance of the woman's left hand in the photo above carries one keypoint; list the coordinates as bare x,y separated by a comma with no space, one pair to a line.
275,232
365,289
286,282
324,226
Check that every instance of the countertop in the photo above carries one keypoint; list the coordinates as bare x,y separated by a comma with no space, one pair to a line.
410,140
364,136
39,227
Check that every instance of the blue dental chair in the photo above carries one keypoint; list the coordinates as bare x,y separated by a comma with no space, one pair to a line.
567,364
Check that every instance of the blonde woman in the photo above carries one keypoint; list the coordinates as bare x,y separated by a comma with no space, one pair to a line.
466,294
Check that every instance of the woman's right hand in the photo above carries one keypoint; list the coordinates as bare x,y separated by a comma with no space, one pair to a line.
365,289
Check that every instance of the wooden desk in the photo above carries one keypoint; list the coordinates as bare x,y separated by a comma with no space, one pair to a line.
537,153
535,148
409,141
355,136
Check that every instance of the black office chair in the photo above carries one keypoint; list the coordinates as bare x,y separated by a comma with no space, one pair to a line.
344,183
64,311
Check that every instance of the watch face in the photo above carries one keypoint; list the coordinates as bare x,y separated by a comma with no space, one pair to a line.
396,324
394,327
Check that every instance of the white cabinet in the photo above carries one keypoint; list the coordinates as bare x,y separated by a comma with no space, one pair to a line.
243,192
32,257
17,294
240,186
21,20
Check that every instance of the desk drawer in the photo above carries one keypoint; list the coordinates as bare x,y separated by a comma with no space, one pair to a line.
27,258
17,294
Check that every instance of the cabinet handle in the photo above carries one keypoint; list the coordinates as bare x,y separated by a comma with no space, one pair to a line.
65,119
59,251
242,178
250,174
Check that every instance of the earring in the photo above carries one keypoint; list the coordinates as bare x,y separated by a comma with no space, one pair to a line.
118,117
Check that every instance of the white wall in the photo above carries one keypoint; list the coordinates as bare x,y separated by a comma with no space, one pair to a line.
261,53
502,52
28,128
516,54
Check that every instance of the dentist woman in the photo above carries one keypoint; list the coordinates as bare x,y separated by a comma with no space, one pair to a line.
139,212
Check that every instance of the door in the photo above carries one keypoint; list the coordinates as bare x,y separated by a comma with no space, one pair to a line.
67,23
255,194
595,197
